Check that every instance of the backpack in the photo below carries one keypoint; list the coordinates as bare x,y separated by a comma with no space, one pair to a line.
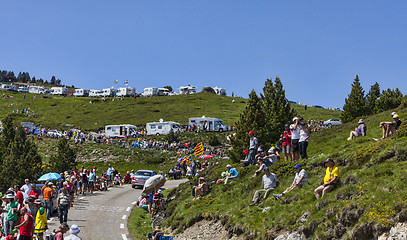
52,235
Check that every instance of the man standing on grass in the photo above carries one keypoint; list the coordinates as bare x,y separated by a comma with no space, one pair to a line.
270,182
295,138
252,148
330,179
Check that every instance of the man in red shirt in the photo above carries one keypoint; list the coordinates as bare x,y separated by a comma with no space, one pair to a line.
19,195
26,225
286,136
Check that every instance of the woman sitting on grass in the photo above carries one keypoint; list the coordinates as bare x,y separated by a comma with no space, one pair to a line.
359,131
202,189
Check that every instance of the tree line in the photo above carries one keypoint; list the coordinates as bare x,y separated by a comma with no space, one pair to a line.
357,104
24,77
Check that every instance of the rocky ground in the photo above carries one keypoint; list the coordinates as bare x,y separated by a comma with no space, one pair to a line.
206,230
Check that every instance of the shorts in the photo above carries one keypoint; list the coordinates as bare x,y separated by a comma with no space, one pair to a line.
295,147
40,234
287,149
90,184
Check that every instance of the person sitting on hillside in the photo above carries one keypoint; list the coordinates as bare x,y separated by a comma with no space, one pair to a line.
330,179
232,173
300,180
201,190
272,157
157,203
270,182
143,201
262,164
245,162
390,128
359,131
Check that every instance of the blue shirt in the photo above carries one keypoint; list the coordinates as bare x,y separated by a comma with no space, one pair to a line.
233,172
92,177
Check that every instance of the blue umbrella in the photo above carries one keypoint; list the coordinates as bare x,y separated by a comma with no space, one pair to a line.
49,176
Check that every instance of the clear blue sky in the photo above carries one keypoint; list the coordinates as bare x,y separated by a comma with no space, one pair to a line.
315,47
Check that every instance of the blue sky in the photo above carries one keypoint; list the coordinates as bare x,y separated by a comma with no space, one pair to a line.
315,47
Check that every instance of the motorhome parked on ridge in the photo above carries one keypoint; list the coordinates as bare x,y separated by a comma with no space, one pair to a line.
212,124
162,128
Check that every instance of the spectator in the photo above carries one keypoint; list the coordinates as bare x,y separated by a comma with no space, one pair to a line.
272,157
63,204
127,177
202,189
19,194
252,148
26,225
390,128
359,131
261,168
47,196
303,142
232,173
300,180
11,218
74,233
26,188
91,181
157,233
286,137
59,233
110,175
330,179
270,182
34,193
143,201
295,138
41,223
245,162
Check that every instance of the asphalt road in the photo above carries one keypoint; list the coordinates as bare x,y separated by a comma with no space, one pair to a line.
104,214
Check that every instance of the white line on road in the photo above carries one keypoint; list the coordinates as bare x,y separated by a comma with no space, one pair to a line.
124,217
50,220
128,209
124,237
122,225
81,198
133,203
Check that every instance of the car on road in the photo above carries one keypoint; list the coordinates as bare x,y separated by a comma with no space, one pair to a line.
141,177
332,122
54,133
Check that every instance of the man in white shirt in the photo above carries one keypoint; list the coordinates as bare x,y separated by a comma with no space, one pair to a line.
300,180
252,148
270,182
295,138
26,188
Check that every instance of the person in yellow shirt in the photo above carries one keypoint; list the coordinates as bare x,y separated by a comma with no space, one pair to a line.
330,179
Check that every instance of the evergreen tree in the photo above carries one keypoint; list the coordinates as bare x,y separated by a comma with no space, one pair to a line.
355,105
389,99
372,97
252,119
33,80
276,109
65,157
168,87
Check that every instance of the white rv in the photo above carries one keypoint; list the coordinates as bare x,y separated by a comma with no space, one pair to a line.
108,92
95,93
163,92
36,90
23,89
125,92
220,91
8,87
59,91
187,90
149,92
126,130
80,92
162,128
211,124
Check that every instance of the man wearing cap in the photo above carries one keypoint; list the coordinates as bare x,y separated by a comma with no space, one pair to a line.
13,208
74,233
286,138
300,180
59,233
245,161
270,182
359,131
252,148
232,173
26,188
47,197
295,138
390,128
330,179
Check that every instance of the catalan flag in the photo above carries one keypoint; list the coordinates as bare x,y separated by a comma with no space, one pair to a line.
198,149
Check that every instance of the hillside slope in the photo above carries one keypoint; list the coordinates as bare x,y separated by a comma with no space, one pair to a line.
370,199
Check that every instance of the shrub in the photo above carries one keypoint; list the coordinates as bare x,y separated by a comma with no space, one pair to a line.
214,141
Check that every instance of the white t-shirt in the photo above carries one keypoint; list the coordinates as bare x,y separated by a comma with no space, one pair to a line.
295,133
269,181
303,135
26,189
300,174
253,143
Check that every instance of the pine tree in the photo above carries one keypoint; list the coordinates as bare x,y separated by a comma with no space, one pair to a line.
252,119
53,80
372,97
355,105
65,157
389,99
276,109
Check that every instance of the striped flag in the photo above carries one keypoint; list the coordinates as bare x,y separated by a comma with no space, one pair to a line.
126,82
198,149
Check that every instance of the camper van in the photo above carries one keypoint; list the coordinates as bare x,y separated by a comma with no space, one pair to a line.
108,92
149,92
212,124
126,130
219,91
23,89
125,92
163,91
187,90
59,91
95,93
9,87
162,128
36,90
80,92
28,127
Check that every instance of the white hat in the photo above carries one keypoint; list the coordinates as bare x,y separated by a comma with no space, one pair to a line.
228,166
74,229
271,150
50,184
295,118
9,195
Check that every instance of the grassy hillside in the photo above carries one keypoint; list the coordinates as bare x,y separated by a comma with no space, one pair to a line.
57,111
370,199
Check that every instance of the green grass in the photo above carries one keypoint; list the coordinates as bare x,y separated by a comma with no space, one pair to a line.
57,111
139,223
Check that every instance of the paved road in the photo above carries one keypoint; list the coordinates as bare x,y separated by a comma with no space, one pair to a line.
104,214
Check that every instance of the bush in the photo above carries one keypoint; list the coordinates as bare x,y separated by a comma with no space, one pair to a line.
402,131
214,141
